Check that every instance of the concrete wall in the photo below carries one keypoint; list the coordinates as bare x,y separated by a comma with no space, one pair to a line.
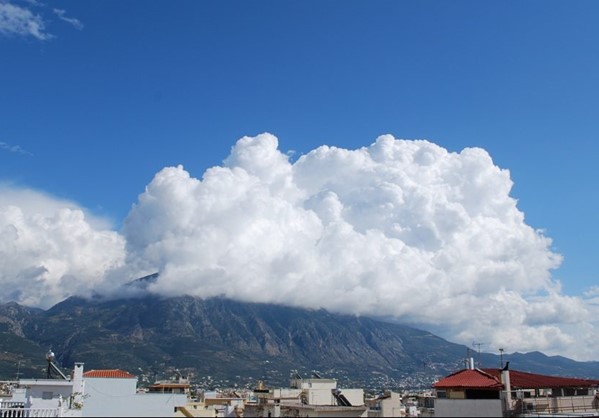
392,407
286,393
325,396
319,384
320,397
117,397
36,390
468,408
354,396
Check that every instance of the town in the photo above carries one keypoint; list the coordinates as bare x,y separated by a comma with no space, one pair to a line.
470,391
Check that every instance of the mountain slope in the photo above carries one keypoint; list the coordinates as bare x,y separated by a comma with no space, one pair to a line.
233,342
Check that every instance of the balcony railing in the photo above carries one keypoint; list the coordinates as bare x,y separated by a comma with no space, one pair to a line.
563,405
21,412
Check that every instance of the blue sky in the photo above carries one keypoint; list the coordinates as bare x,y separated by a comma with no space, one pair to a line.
102,95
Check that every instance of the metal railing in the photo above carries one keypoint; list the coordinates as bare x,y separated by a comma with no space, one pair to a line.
563,405
29,412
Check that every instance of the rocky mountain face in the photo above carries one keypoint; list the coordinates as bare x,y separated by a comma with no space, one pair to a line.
218,342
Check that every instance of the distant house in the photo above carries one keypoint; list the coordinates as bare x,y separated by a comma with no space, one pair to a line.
387,404
502,392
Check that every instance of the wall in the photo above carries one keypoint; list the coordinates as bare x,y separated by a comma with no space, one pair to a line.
118,397
320,397
468,408
33,395
392,407
354,396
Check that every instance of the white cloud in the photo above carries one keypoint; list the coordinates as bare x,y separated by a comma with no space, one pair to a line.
400,228
22,21
14,148
50,249
15,20
76,23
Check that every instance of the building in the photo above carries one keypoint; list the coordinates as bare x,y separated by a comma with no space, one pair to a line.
314,397
387,404
113,392
96,393
476,392
47,397
214,404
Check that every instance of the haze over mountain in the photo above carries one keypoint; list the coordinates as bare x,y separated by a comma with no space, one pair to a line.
403,229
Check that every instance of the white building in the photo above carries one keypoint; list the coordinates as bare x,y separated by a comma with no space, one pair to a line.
98,393
110,393
388,404
502,392
307,398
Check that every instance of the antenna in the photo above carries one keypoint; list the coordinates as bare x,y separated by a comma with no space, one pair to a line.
18,369
477,345
501,350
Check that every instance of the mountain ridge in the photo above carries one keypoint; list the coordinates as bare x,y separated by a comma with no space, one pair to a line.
239,342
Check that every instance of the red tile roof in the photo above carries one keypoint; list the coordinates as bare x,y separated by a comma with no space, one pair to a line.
471,379
491,379
110,374
523,380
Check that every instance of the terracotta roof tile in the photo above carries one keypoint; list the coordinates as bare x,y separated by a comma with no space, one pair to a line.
491,379
523,380
470,378
109,373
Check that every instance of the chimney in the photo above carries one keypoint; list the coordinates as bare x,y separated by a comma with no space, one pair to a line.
470,363
78,384
505,379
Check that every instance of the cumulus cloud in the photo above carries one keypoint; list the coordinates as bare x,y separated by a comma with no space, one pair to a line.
401,228
50,249
16,20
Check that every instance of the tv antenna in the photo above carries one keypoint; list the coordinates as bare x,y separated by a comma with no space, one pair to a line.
477,345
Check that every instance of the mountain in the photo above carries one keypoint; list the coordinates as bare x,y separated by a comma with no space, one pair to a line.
220,342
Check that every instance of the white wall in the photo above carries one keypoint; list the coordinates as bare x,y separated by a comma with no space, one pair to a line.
468,407
319,384
354,396
33,395
117,397
320,397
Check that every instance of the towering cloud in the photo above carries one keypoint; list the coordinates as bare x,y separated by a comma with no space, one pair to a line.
402,229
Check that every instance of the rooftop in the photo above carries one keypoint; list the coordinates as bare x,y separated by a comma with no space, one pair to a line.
109,374
471,379
491,379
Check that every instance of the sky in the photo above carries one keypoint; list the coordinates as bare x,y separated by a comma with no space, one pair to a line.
427,162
